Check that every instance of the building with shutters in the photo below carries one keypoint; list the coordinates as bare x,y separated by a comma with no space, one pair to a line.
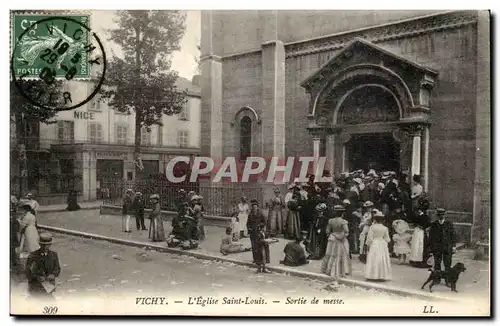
392,90
93,145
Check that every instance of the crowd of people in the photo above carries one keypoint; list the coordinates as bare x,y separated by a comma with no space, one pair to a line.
374,216
187,226
377,216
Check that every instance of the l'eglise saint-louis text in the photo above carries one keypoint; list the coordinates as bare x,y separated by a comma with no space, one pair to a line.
203,301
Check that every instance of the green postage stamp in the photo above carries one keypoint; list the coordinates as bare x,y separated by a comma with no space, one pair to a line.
57,42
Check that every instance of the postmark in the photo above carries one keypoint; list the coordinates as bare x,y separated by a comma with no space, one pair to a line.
62,54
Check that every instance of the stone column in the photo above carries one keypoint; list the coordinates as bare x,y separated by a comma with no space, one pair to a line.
343,139
482,181
273,98
211,92
316,148
89,179
273,93
330,153
425,160
415,134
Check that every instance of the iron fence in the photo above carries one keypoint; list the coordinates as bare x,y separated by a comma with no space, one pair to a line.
45,184
217,200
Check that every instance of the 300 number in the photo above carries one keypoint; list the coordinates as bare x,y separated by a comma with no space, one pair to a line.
50,310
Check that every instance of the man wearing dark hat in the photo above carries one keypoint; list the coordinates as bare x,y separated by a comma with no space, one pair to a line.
42,268
255,218
442,240
181,199
138,209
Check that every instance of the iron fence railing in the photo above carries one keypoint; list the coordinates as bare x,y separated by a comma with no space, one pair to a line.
45,184
217,200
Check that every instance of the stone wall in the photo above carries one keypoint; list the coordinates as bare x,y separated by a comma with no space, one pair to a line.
450,50
452,53
237,31
241,87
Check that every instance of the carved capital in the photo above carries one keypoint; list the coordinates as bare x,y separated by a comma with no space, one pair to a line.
413,130
427,82
398,135
344,137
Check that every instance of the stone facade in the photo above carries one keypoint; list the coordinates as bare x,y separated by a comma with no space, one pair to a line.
266,64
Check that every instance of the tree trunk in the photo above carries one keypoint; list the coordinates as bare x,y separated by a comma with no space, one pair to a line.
138,115
137,141
21,144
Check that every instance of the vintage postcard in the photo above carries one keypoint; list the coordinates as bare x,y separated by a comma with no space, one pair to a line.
250,163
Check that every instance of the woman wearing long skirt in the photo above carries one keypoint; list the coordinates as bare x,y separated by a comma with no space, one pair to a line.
243,210
378,261
29,232
276,221
293,218
419,252
156,230
317,240
364,226
198,216
336,262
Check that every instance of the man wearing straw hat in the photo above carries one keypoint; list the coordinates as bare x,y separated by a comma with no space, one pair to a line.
42,268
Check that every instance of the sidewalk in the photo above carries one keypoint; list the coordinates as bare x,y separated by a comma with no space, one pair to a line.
474,283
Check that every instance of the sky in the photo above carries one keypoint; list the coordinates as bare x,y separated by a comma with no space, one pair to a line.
183,61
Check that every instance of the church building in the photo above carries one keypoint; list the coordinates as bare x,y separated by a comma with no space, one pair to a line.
389,90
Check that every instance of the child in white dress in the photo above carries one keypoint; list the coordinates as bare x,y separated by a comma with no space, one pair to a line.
401,240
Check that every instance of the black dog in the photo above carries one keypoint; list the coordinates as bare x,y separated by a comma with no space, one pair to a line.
450,276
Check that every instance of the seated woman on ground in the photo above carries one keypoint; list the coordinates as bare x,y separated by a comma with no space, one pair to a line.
228,246
295,254
190,235
178,227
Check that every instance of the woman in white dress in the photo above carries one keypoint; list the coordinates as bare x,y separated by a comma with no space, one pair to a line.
378,261
243,210
421,221
29,232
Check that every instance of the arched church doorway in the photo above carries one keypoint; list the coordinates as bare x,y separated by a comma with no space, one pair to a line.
377,151
366,111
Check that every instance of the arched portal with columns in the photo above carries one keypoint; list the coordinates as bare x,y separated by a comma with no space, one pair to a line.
369,108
